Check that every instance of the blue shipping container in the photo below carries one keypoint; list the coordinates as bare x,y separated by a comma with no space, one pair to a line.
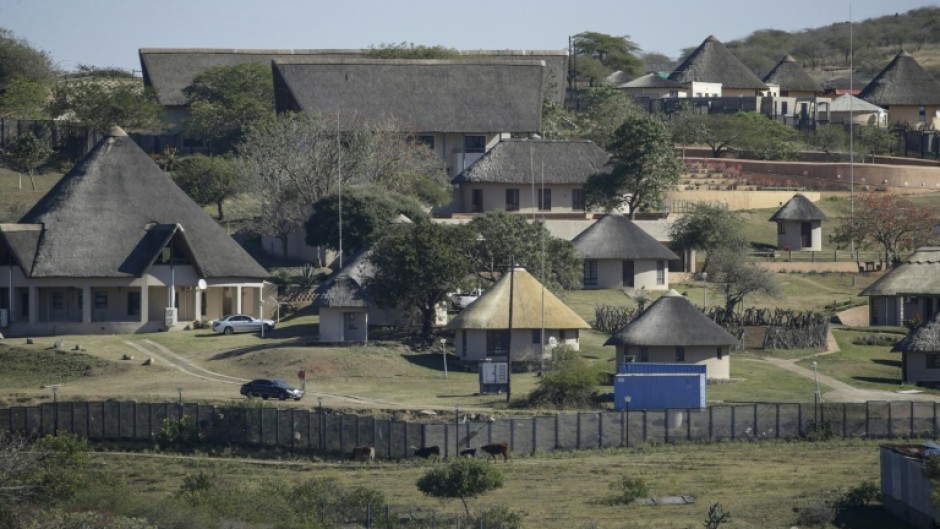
666,388
658,368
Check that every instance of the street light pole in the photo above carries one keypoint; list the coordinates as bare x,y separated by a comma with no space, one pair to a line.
444,354
626,420
512,276
816,399
704,290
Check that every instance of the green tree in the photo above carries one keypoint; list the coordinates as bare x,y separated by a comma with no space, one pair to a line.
599,54
367,212
738,277
557,122
502,239
887,220
417,267
643,167
604,109
101,105
225,101
875,141
711,228
766,139
24,99
830,139
59,519
720,132
464,479
685,126
27,154
568,382
21,60
209,180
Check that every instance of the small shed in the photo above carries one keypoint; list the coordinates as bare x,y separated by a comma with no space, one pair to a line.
920,354
659,387
799,225
675,331
905,486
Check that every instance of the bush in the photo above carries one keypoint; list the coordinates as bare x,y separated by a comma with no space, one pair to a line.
816,515
876,339
860,495
627,489
499,517
462,479
569,382
179,434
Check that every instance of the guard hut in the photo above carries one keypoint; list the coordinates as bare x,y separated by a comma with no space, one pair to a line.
799,225
659,386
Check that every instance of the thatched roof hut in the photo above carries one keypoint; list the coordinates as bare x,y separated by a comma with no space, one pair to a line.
798,208
672,321
791,77
902,82
712,62
650,80
526,161
617,237
918,274
491,310
423,96
111,216
346,288
925,338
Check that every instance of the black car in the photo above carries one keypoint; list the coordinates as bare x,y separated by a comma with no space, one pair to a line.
265,388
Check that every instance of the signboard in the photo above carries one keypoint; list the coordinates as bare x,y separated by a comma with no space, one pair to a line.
493,373
302,375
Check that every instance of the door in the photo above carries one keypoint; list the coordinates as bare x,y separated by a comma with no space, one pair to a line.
806,235
628,274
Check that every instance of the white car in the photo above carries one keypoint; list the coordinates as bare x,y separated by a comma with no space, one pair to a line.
241,323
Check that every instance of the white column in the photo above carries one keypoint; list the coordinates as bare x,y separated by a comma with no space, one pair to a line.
86,304
238,300
145,301
33,305
197,304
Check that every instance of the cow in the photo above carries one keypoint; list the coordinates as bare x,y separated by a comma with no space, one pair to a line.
468,452
363,453
497,449
428,451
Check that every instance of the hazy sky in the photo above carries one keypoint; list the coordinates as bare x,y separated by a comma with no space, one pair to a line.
109,32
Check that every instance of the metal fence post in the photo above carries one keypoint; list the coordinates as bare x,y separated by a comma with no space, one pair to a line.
733,423
578,432
535,436
557,419
600,429
777,421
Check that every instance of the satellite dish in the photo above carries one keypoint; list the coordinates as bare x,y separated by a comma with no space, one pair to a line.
552,341
201,284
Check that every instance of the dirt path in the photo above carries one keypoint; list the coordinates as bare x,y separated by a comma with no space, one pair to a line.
170,359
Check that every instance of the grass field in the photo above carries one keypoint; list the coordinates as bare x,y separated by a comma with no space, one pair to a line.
759,483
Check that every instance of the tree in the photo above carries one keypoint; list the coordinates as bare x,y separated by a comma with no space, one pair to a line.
557,122
24,99
417,267
643,167
464,478
367,212
719,131
27,154
225,101
685,126
20,60
765,139
502,239
568,382
102,105
738,276
604,110
875,141
209,180
887,220
711,228
599,54
830,139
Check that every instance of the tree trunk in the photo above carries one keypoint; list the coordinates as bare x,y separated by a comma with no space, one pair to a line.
427,322
32,182
218,205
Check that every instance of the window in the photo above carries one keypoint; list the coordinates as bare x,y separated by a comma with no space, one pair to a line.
476,201
463,343
590,273
781,228
352,320
474,144
497,343
577,199
426,139
205,302
545,199
680,354
512,199
536,336
24,304
81,299
933,361
721,353
644,354
922,113
101,300
660,272
628,274
783,108
562,336
58,301
133,303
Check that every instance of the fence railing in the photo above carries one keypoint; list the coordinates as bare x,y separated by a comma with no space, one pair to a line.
870,259
329,431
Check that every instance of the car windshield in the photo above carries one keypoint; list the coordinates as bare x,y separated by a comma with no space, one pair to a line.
280,384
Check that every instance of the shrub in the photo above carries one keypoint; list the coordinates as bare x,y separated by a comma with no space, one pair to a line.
568,382
627,489
196,487
875,339
815,515
462,479
716,516
860,495
179,434
499,517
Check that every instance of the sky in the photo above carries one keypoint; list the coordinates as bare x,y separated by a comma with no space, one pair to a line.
109,32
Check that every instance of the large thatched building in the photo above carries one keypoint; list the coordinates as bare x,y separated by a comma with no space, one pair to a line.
527,175
908,292
713,71
619,254
113,246
799,225
792,79
482,330
672,330
907,91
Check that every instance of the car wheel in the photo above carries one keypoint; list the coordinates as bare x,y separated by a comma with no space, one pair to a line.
229,330
296,398
266,328
265,397
282,396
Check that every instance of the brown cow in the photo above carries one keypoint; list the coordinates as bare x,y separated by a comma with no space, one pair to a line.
497,449
363,453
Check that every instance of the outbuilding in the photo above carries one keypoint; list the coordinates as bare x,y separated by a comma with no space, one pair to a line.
799,225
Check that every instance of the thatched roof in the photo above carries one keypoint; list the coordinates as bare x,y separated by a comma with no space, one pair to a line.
918,274
902,82
617,237
22,241
423,96
713,63
531,160
617,78
113,213
346,287
798,208
672,321
170,70
650,80
791,76
847,102
925,338
491,310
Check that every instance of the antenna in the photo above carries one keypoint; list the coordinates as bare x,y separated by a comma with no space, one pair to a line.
339,183
851,130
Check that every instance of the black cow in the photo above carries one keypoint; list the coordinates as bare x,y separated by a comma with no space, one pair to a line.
428,451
